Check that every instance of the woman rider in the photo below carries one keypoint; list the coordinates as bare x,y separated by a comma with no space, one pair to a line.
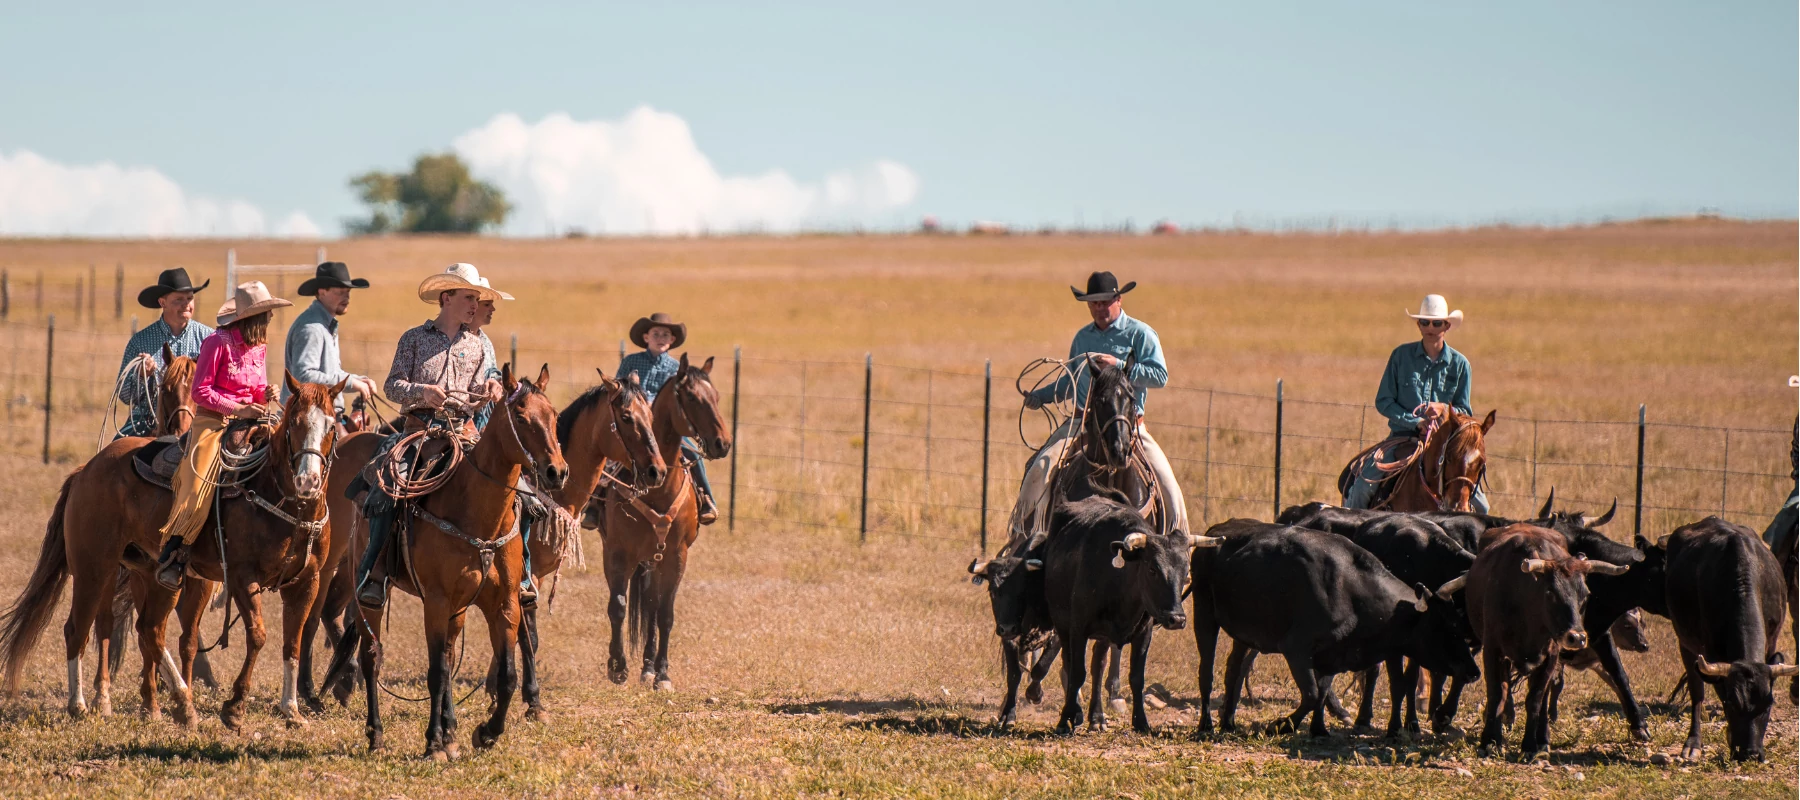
1427,376
230,382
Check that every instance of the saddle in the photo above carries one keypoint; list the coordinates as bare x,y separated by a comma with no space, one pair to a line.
158,459
1403,448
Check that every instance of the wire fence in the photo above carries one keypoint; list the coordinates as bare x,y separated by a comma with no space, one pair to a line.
868,449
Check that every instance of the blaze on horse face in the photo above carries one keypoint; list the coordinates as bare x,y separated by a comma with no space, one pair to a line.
309,432
699,403
532,422
1111,416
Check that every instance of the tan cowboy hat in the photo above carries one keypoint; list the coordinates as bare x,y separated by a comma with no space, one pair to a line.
1435,307
657,320
458,276
249,300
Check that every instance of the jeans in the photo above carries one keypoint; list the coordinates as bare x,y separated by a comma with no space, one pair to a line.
691,450
1362,489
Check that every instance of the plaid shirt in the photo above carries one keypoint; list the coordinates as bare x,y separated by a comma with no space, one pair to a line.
652,371
149,341
427,356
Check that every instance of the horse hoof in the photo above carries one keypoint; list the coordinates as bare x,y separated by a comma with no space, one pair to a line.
314,705
103,706
648,678
481,739
453,750
341,694
1640,735
615,671
77,710
152,715
536,714
1034,694
1118,705
437,755
232,714
295,720
665,685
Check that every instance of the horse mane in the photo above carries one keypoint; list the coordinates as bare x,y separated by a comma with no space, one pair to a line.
1107,379
565,421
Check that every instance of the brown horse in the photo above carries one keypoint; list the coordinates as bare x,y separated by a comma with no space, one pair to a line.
648,532
459,548
1443,473
105,516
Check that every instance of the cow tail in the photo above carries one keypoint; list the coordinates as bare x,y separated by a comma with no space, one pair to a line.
639,610
24,621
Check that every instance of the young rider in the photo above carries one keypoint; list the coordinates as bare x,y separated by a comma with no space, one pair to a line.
658,334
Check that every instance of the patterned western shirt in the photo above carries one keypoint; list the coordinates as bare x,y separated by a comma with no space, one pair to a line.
652,371
149,341
1126,339
493,373
1412,378
427,356
312,350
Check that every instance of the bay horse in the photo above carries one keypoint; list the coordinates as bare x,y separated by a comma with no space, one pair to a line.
459,546
105,515
1440,475
648,531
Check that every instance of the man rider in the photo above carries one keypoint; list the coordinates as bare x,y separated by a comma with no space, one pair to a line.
173,295
312,341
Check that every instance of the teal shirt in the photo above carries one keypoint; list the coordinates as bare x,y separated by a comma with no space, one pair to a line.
1126,339
1412,378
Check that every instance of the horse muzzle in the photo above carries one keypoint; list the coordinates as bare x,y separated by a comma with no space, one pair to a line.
554,477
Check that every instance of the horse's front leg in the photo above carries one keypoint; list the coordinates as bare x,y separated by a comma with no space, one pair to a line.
367,627
502,612
528,645
666,587
153,621
297,607
255,636
618,581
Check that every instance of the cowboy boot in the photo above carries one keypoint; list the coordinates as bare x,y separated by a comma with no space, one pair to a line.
703,499
371,574
528,593
171,565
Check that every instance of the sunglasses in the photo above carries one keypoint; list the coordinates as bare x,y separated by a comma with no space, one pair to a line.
1434,323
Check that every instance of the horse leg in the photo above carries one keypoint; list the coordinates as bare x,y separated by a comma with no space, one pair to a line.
645,611
93,581
503,634
309,634
368,633
195,592
618,579
152,625
665,623
528,645
123,603
255,636
107,652
297,607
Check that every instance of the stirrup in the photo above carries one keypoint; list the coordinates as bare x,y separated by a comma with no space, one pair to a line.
373,593
528,594
171,566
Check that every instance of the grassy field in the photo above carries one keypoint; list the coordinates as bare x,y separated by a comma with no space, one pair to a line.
808,664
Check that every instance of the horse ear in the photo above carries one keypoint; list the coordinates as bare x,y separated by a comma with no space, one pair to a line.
707,367
684,364
1487,422
1093,368
544,376
168,355
339,388
507,378
287,378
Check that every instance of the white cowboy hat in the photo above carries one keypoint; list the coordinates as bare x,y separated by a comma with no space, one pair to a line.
458,276
1434,307
249,300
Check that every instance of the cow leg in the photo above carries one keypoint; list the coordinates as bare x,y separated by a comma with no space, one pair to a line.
1365,709
1074,675
1537,723
1115,698
1010,656
1696,695
1333,706
1412,695
1401,680
1300,664
1206,640
1492,669
1234,686
1097,701
1614,669
1443,719
1554,699
1140,655
1034,691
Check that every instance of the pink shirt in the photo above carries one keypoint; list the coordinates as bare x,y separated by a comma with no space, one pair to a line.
229,374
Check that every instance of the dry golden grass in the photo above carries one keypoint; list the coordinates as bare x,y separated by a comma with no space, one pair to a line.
807,664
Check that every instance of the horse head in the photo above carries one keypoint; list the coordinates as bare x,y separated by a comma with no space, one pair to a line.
1110,421
175,398
307,433
698,402
531,425
1457,454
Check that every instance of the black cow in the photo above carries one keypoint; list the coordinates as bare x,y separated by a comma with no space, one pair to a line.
1021,620
1628,635
1109,576
1726,597
1323,603
1464,526
1525,595
1328,518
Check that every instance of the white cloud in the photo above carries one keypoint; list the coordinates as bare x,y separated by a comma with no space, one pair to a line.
44,198
645,174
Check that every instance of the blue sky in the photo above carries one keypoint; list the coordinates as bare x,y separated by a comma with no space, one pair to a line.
1424,113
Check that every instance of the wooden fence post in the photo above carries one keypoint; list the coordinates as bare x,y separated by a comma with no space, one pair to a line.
987,408
5,293
868,385
93,286
49,373
78,296
514,360
737,391
119,291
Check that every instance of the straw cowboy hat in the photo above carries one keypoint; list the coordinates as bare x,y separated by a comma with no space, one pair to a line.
249,300
657,320
1434,307
458,276
1102,286
171,280
331,275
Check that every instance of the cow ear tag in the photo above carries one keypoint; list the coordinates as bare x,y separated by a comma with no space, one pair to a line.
1118,561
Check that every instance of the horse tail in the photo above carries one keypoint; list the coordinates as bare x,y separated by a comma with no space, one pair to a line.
639,612
24,621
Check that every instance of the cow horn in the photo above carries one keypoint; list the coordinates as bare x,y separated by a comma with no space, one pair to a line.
1202,540
1604,518
1536,565
1662,542
1549,503
1603,568
1455,585
1714,670
1136,541
1033,565
1784,670
978,567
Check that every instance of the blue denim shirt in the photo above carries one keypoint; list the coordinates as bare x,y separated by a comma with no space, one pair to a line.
1126,339
312,350
1412,378
652,371
149,341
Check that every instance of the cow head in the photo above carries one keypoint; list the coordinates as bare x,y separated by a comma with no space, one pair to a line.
1746,691
1564,584
1440,636
1160,570
1628,632
1580,531
1012,582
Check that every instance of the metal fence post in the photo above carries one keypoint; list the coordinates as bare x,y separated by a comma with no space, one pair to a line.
49,371
1637,514
868,385
78,296
737,391
1534,456
1278,405
514,360
1725,475
5,293
987,405
1206,482
93,286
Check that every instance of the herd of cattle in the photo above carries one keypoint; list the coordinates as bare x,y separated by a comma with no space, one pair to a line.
1335,590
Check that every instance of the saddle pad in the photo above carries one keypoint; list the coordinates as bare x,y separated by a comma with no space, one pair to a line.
157,460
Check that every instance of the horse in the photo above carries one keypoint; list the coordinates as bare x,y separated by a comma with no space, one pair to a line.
105,515
1439,475
461,549
648,531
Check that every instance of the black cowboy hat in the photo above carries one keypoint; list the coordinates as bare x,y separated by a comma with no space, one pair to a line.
657,320
1102,286
331,274
171,280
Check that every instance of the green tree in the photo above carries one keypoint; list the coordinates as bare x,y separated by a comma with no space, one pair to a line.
437,196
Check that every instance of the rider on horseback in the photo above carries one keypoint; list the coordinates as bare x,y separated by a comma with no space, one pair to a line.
230,381
440,368
1113,338
312,341
173,294
658,334
1424,381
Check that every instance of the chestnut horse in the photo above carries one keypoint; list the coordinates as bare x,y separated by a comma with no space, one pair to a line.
459,548
648,532
1442,475
106,515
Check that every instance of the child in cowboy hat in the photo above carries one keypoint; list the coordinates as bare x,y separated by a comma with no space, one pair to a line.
1427,375
230,382
658,334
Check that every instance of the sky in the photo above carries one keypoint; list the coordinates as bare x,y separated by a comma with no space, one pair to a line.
249,118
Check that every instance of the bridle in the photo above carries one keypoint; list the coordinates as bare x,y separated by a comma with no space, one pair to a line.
1443,487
